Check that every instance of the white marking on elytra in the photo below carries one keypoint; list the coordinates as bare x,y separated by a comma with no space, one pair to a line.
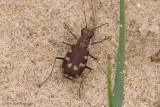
70,50
77,76
70,77
67,58
75,67
85,57
69,65
82,65
66,75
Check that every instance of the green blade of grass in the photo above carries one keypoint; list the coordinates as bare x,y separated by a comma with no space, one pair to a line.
110,97
119,79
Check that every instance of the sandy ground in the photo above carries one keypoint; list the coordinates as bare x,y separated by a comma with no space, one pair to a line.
26,56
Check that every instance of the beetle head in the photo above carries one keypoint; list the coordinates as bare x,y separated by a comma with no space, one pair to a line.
87,34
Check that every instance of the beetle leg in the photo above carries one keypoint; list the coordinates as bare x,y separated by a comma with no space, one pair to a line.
51,41
98,63
66,43
93,57
83,80
60,42
70,31
101,40
51,71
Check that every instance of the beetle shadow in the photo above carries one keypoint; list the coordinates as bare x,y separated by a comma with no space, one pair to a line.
157,104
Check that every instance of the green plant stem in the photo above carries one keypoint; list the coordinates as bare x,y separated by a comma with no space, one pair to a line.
119,79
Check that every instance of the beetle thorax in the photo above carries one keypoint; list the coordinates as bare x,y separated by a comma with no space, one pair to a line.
83,42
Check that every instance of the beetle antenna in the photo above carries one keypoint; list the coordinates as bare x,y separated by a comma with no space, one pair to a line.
85,18
100,26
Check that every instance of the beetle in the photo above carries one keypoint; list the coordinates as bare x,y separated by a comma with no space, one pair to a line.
76,58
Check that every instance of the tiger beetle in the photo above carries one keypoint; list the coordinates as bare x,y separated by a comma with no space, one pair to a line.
75,60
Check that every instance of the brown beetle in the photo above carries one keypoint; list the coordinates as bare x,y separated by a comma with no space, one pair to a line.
75,60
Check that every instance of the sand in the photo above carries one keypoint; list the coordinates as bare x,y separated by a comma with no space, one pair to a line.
26,56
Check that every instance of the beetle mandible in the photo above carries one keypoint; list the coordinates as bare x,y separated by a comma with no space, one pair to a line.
75,60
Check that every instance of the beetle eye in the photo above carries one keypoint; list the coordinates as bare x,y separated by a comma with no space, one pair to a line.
91,35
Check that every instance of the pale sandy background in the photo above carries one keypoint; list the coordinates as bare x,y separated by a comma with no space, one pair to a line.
26,56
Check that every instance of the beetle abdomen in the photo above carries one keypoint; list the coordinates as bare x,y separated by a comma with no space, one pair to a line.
75,61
